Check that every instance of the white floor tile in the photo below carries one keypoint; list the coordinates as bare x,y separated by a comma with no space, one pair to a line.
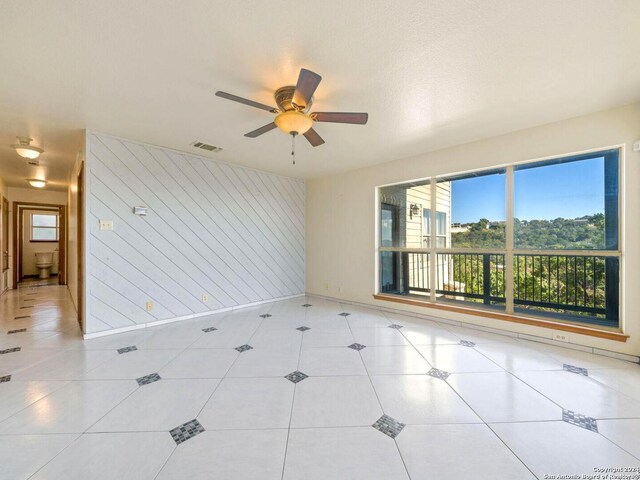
378,336
342,453
200,363
421,399
110,456
513,357
331,361
132,365
288,338
14,396
623,433
625,381
458,452
334,402
261,362
229,455
71,409
23,455
249,403
501,397
67,365
457,359
582,394
428,335
318,337
158,406
554,448
394,360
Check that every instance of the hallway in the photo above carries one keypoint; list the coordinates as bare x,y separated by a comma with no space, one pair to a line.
292,390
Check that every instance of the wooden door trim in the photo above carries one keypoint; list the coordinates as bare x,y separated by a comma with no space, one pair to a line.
18,235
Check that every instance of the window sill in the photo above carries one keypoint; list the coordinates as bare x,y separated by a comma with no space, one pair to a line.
536,322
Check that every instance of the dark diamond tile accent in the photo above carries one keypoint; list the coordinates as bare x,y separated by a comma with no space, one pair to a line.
127,349
244,348
437,373
6,378
265,315
303,328
396,326
579,370
10,350
389,426
344,314
357,346
467,343
580,420
19,330
22,316
147,379
296,376
186,431
209,329
307,305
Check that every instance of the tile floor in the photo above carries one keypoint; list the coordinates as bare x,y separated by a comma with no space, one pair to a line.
410,399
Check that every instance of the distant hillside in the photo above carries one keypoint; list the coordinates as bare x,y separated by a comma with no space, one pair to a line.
562,233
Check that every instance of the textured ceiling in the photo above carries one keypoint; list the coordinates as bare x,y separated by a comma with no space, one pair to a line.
431,74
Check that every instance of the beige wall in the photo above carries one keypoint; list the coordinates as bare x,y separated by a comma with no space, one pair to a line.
340,212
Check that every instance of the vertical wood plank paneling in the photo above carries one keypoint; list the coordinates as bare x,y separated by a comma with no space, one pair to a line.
229,232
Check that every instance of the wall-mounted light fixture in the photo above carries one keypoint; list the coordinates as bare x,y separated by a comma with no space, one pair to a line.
414,210
36,182
140,211
25,149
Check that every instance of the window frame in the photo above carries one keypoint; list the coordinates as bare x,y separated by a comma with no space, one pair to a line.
32,227
614,157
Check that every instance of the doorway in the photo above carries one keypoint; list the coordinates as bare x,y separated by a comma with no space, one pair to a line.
4,244
39,244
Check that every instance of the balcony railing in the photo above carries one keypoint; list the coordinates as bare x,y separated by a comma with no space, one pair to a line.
576,287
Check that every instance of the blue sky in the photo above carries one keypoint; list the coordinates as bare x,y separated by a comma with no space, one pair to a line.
567,190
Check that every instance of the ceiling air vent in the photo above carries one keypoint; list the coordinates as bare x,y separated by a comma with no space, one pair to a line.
206,146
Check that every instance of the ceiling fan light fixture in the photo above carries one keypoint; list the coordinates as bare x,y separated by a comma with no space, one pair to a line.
37,183
24,149
294,121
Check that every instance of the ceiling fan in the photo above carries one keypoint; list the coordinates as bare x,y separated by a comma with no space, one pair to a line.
292,115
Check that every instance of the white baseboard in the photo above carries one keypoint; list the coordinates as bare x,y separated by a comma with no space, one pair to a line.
141,326
496,331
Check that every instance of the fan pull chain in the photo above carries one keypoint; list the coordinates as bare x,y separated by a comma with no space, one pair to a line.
293,146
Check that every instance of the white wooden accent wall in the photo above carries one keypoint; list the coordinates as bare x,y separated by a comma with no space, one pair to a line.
229,232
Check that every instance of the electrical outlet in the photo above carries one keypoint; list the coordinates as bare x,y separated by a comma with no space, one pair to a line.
326,286
106,224
561,337
149,306
205,297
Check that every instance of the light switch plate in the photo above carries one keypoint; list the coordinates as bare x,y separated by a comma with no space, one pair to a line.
106,224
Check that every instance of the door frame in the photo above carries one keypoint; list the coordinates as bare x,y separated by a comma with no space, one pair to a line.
18,233
4,242
80,226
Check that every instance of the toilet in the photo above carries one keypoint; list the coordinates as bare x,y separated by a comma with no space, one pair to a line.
44,262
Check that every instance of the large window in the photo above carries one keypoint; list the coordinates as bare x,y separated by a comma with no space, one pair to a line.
538,238
44,227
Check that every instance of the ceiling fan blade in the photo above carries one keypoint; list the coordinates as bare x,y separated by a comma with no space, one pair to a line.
342,117
245,101
313,137
259,131
308,81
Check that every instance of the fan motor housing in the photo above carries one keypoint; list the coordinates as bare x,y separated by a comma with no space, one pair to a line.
283,97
